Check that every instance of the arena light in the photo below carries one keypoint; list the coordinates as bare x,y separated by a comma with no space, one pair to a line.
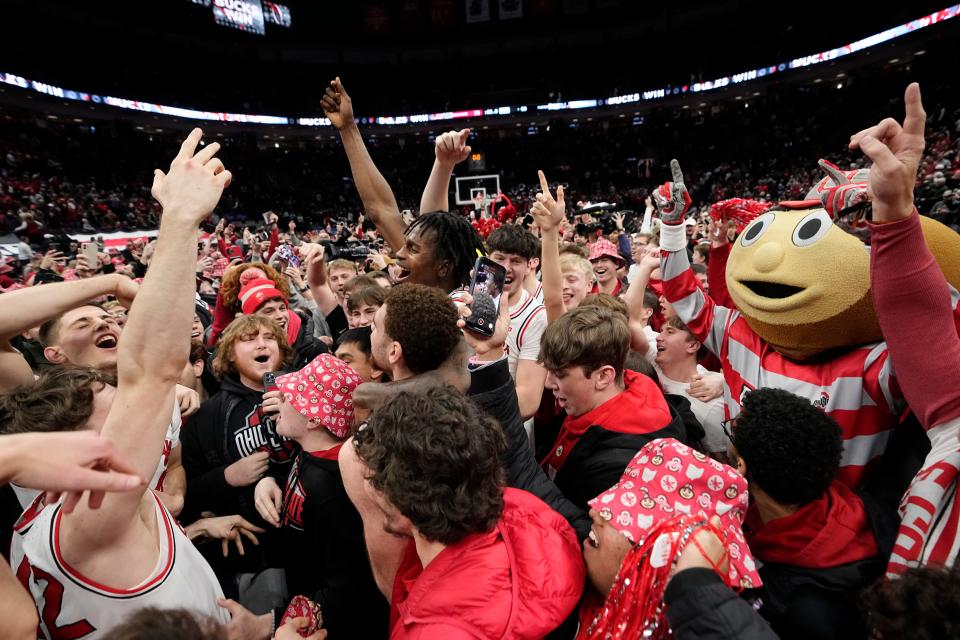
491,112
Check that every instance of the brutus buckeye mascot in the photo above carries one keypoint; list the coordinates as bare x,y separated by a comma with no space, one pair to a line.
804,319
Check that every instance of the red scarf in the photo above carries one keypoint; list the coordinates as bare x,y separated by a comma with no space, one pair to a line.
830,531
639,408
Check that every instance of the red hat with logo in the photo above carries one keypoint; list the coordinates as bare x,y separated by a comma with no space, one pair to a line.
256,292
323,393
603,248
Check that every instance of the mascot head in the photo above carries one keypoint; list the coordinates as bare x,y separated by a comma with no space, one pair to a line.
802,282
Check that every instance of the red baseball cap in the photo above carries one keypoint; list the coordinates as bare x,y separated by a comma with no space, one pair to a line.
323,392
256,292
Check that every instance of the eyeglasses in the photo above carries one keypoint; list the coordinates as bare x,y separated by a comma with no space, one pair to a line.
728,426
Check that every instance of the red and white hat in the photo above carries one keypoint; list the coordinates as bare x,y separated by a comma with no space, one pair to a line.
323,392
256,292
667,479
603,248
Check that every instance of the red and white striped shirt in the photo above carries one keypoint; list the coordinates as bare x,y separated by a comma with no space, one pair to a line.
858,389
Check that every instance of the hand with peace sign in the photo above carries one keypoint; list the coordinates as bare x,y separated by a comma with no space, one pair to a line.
672,198
548,212
896,152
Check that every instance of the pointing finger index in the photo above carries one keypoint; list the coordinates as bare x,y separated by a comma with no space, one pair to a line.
544,185
916,117
675,170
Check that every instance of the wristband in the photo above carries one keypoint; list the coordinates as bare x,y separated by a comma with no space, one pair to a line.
673,237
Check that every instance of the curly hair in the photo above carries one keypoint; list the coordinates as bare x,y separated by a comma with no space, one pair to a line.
923,603
513,239
230,283
791,448
437,459
61,399
244,327
424,321
456,241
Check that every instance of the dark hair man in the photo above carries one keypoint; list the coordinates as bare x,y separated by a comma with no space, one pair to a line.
814,535
436,477
513,248
610,413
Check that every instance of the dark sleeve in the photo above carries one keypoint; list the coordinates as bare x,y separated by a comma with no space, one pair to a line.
349,600
626,251
139,269
701,607
207,488
494,391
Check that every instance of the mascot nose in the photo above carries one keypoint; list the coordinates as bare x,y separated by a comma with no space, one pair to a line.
768,257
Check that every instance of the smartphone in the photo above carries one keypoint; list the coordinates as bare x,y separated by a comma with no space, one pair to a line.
270,382
486,288
90,249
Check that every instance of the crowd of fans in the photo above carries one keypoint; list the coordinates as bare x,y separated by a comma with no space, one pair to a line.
290,426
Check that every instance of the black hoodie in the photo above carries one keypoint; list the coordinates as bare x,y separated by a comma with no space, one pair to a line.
228,427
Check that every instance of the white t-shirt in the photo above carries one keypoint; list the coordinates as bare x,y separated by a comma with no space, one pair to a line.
528,321
70,599
710,414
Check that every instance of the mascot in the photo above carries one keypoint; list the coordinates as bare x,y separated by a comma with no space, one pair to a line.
804,319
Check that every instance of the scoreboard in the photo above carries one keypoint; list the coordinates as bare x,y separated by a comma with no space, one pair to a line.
248,15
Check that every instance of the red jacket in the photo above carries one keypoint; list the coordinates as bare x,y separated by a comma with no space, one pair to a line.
520,580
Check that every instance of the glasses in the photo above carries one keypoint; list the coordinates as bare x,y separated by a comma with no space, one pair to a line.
728,426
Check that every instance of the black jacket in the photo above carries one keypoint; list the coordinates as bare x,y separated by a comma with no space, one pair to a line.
701,607
600,456
228,426
324,552
494,390
306,347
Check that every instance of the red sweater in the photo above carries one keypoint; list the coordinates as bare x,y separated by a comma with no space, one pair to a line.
520,580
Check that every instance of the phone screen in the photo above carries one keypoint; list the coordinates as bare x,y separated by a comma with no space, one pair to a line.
486,289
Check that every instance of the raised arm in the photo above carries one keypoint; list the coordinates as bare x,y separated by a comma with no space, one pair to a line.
376,195
154,345
323,295
634,300
549,213
450,148
911,295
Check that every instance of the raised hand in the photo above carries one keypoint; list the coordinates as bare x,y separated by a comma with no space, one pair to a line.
451,147
69,462
896,151
51,260
618,220
549,212
672,198
485,347
194,184
337,105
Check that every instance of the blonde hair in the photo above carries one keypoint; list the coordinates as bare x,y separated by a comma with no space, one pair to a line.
244,327
571,262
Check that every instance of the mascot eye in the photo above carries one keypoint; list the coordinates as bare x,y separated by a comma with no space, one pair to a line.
812,228
756,229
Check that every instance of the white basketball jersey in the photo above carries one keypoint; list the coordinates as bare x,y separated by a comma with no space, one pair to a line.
72,606
528,321
171,440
